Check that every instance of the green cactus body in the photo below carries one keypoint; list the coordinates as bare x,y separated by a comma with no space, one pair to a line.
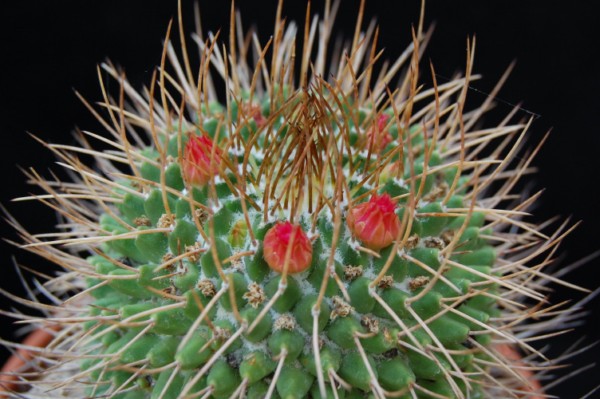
389,305
323,240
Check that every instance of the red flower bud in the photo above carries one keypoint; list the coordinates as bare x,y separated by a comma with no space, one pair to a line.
256,113
258,117
198,167
375,223
377,136
276,244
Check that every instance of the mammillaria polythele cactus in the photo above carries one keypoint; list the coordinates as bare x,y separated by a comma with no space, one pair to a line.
312,232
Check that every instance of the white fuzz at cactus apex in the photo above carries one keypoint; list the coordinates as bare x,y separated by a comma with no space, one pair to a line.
293,219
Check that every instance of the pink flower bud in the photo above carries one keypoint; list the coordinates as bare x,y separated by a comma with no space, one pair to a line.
377,136
258,117
375,223
256,113
198,167
276,244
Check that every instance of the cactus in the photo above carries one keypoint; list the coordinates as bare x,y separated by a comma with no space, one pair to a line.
292,238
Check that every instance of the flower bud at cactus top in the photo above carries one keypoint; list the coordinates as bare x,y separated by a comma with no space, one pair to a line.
200,160
256,113
284,237
196,288
377,135
375,222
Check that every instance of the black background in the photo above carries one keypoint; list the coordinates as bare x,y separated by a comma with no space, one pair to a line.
47,49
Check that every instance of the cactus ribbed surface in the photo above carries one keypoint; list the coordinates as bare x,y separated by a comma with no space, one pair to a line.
312,230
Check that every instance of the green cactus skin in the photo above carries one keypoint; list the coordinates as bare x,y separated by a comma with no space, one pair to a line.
177,297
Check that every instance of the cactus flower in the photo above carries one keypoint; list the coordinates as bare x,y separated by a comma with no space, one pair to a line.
256,113
378,136
198,167
277,241
375,222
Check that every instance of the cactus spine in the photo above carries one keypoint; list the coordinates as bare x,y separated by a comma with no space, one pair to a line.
322,237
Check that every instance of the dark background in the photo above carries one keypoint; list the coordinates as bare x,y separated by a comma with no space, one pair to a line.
47,49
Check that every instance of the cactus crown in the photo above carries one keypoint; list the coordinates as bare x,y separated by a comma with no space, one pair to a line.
313,237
